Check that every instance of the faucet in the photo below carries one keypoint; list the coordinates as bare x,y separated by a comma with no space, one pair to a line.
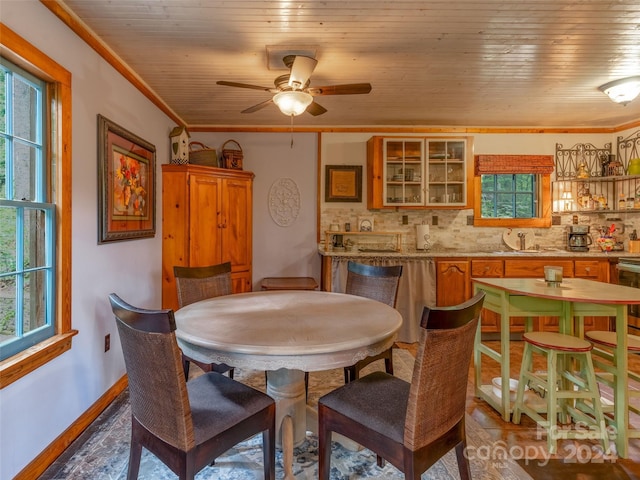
523,243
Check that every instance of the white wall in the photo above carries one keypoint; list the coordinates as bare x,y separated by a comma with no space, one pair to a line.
37,408
278,251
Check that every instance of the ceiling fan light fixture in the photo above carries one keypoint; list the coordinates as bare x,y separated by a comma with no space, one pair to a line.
292,102
623,90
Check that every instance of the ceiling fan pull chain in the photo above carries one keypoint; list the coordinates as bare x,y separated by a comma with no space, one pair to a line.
291,131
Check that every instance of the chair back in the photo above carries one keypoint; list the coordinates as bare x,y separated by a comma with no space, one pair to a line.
438,389
376,282
199,283
157,387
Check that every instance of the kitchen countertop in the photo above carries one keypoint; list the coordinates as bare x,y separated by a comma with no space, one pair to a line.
412,253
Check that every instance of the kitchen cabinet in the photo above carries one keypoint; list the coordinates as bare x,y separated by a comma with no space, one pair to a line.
454,285
453,282
488,269
206,220
446,172
419,173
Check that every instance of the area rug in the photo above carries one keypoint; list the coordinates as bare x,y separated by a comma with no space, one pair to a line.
102,452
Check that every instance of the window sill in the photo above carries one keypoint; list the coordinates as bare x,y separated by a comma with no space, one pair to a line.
23,363
540,222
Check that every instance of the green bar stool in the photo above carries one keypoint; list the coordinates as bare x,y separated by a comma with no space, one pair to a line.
562,387
604,342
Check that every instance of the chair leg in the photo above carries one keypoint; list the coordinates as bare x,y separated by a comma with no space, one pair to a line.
185,367
135,454
231,373
348,374
388,363
463,462
306,386
324,452
269,453
525,367
592,385
552,402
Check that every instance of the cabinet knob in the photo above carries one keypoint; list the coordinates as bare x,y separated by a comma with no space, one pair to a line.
588,269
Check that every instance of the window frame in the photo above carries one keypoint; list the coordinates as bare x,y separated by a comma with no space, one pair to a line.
543,220
58,157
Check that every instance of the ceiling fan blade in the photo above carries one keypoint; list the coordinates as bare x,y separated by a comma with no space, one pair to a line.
257,107
301,70
347,89
316,109
246,85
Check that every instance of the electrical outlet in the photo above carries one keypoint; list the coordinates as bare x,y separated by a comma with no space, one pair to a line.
107,342
434,220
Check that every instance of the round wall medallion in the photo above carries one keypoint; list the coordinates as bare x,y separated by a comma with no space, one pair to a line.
284,201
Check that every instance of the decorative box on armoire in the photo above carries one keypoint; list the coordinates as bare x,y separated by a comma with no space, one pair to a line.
206,219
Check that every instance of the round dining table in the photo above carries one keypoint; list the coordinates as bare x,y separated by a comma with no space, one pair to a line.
287,333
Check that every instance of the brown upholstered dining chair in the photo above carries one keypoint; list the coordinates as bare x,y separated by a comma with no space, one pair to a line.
199,283
411,425
378,283
186,425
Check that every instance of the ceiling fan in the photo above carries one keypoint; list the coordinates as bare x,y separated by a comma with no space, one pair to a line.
293,95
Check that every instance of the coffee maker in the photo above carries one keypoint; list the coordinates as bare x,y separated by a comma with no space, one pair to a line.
578,239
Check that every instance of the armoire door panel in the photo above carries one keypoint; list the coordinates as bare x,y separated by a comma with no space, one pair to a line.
204,221
236,244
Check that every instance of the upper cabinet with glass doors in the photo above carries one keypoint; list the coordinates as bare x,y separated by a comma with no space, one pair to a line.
418,173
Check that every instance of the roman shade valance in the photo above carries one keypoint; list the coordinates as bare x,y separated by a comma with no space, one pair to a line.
497,164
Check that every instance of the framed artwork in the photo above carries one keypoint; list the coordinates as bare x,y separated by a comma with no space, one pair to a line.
126,184
365,224
343,183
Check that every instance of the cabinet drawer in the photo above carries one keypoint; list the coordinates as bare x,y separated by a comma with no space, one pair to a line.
535,268
487,268
592,269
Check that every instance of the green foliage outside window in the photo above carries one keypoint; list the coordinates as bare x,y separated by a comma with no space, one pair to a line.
508,196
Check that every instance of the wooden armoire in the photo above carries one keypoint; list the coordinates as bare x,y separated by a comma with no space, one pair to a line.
206,219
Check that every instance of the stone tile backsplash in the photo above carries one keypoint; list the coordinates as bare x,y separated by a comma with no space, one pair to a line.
452,231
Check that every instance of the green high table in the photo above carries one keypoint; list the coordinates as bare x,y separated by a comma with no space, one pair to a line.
574,298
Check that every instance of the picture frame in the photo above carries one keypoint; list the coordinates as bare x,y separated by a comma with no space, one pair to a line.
365,224
343,183
126,184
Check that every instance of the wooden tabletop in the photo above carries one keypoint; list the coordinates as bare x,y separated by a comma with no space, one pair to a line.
305,330
571,290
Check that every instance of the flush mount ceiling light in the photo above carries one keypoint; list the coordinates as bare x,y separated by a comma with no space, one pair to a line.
292,102
622,91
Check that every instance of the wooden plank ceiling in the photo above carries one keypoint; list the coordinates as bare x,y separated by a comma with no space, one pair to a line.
487,63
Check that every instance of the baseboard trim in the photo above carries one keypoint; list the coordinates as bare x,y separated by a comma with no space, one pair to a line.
39,464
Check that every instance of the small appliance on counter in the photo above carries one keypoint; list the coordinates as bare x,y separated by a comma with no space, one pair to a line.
578,239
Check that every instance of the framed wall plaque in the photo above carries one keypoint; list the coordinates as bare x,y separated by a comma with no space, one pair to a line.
343,183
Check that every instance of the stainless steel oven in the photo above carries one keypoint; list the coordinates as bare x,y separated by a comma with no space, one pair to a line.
629,275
